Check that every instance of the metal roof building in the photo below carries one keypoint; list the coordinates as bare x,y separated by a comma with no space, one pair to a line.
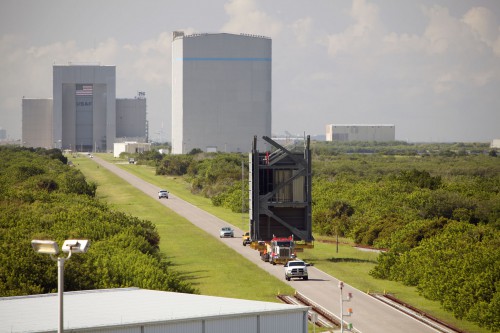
360,132
147,311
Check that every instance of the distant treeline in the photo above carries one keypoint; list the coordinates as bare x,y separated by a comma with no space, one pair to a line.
41,197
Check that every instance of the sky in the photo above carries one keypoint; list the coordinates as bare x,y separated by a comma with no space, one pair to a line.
430,67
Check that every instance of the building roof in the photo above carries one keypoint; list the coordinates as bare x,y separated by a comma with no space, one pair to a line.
180,34
121,307
362,125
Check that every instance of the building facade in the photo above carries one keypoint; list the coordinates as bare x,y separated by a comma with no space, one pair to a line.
84,116
358,132
221,91
37,123
131,120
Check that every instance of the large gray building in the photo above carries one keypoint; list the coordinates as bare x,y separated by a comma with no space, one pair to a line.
84,107
84,114
221,91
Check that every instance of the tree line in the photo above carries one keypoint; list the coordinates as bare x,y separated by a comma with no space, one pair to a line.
41,197
436,215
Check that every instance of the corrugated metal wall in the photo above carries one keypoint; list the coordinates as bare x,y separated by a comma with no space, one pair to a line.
240,325
282,322
131,329
179,327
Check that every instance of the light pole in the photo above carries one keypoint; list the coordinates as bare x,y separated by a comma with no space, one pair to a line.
349,311
50,247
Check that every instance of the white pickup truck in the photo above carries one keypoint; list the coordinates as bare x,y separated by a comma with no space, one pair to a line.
296,269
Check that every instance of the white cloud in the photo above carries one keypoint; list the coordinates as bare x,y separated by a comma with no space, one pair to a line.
328,62
496,45
483,22
445,82
447,51
245,17
366,31
152,64
302,29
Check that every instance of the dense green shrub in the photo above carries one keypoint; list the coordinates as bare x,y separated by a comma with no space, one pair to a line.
437,214
217,176
174,165
41,198
457,267
433,207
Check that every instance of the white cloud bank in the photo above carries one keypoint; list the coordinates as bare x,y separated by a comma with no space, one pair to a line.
333,61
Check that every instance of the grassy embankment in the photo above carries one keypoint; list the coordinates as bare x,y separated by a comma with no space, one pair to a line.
227,273
212,267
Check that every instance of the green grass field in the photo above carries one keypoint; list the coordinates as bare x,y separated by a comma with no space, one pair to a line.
212,267
215,269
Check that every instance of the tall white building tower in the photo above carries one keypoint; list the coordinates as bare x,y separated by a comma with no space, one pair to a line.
221,91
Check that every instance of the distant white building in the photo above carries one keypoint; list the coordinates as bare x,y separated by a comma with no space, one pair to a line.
128,310
130,147
221,91
360,132
495,144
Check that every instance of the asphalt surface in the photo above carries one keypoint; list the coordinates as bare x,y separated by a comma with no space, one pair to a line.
369,315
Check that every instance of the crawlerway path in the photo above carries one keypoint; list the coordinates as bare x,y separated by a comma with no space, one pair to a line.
369,314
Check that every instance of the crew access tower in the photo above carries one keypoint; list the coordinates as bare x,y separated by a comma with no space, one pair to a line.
280,194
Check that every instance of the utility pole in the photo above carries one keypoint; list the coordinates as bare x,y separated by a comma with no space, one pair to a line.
349,310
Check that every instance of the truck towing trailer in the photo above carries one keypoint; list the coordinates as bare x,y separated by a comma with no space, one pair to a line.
279,250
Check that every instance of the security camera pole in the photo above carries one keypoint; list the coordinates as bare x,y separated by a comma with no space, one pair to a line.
51,247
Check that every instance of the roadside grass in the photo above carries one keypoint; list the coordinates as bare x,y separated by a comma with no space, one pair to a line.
212,267
350,265
178,186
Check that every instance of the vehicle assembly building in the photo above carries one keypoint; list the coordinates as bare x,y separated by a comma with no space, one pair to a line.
355,132
84,107
221,91
84,114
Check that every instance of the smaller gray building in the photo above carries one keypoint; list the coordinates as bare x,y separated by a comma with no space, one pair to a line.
134,310
37,123
131,119
360,132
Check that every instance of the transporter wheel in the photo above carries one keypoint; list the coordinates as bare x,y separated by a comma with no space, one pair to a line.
287,278
306,278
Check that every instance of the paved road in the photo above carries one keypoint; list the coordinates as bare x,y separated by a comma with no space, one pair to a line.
369,314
